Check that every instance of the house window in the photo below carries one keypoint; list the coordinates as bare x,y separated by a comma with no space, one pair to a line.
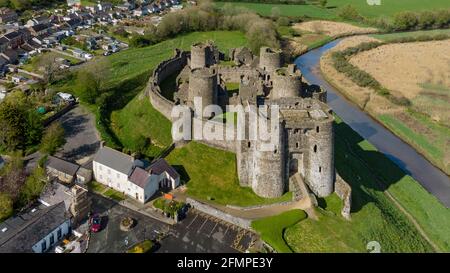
44,245
118,175
100,167
59,233
52,239
109,171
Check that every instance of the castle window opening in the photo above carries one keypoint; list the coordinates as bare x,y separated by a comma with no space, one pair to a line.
315,148
296,145
317,129
249,144
320,169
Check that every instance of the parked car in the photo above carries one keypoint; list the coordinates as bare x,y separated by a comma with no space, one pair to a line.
96,223
107,53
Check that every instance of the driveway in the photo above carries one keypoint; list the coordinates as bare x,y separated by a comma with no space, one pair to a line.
82,138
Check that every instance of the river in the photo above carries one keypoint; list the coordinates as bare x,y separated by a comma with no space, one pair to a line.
406,157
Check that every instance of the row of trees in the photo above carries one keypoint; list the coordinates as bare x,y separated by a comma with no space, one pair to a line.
207,17
406,20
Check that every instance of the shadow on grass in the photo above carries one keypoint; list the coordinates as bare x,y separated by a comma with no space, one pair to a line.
185,178
362,169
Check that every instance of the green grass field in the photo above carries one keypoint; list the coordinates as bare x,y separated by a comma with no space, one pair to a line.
272,228
140,119
390,36
387,8
211,174
374,216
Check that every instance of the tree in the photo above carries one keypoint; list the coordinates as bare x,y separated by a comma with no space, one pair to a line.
33,186
87,87
49,65
141,144
275,12
34,128
13,124
6,206
13,176
405,20
323,3
53,138
349,12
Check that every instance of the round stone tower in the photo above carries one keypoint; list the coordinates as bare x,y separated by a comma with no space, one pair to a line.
203,83
320,173
201,55
269,59
269,174
286,85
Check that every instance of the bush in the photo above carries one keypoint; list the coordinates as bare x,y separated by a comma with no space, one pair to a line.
33,186
349,13
53,138
405,20
283,21
6,206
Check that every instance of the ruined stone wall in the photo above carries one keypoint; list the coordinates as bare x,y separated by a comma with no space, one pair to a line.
203,83
344,191
198,125
286,86
235,73
205,208
161,72
270,60
202,55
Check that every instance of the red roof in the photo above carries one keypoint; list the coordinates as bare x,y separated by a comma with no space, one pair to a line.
160,166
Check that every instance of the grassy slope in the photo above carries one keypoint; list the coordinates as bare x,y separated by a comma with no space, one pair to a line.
128,75
272,228
387,37
374,217
387,8
212,173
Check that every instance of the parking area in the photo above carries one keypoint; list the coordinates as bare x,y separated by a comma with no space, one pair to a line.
204,233
197,233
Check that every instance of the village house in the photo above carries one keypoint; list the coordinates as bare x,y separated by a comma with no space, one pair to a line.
7,15
38,21
40,30
61,169
128,175
37,230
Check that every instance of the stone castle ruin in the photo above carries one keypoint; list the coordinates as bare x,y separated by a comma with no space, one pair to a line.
306,142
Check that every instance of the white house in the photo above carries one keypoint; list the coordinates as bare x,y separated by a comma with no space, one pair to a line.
127,175
35,231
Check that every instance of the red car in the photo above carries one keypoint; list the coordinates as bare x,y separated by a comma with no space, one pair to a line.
96,223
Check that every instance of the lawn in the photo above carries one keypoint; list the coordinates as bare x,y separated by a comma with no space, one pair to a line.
272,228
374,216
128,73
140,119
118,196
211,175
96,187
387,8
130,63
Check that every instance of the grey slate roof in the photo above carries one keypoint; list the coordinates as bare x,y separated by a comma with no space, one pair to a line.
26,230
115,160
62,165
161,165
139,177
